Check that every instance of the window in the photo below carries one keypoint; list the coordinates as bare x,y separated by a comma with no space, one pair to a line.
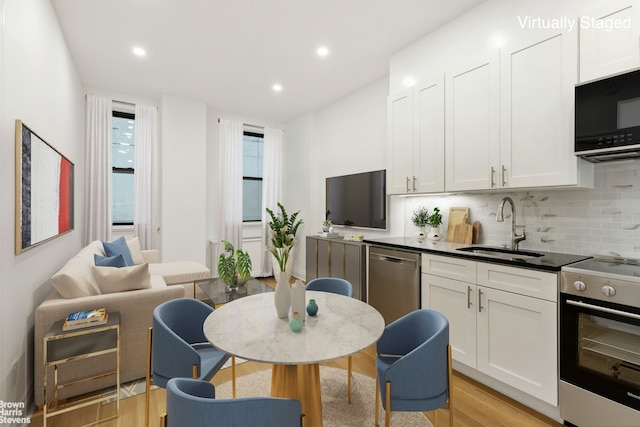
252,177
122,167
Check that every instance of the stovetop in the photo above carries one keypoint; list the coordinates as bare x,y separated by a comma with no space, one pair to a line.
614,268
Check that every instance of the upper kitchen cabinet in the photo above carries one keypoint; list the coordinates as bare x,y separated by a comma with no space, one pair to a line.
416,139
537,80
604,51
472,105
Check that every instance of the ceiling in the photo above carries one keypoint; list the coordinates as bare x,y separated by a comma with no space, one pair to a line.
230,53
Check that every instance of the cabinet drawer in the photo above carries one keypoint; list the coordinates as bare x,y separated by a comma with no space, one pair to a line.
449,267
533,283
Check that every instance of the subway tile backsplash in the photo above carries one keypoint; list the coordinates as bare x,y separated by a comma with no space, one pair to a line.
604,220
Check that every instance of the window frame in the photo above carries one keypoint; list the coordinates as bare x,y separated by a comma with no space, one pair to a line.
252,178
114,169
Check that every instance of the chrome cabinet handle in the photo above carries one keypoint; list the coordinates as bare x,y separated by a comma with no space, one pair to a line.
408,189
504,181
493,177
469,296
480,307
414,183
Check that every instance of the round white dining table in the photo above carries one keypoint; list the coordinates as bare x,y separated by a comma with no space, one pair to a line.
250,328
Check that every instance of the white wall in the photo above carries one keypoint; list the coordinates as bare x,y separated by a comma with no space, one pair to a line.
349,136
40,86
184,186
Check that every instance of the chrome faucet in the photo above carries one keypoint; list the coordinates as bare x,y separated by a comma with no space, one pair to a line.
515,238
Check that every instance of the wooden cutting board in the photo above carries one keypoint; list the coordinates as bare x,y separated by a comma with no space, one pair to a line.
476,232
463,233
456,216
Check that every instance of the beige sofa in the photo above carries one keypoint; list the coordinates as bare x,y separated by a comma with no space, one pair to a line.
75,280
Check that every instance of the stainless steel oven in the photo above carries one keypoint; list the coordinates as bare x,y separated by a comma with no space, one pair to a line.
600,343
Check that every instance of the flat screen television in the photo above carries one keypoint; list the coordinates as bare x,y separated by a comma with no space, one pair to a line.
358,200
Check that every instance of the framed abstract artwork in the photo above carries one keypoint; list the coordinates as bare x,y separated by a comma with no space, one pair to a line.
44,190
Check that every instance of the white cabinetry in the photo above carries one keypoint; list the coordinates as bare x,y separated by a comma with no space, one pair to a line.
416,138
502,320
536,111
510,120
472,125
603,51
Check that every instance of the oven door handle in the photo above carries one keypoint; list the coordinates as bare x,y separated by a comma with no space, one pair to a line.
604,309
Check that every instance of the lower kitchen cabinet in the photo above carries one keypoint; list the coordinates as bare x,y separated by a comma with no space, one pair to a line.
337,258
509,336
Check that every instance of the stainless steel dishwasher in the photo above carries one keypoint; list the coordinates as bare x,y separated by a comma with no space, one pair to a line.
394,282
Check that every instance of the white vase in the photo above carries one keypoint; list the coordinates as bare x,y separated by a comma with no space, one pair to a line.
434,234
282,296
421,233
288,267
298,301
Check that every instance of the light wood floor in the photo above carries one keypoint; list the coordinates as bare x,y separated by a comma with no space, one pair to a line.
475,404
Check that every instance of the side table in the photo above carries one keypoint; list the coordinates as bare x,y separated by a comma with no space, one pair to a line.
62,347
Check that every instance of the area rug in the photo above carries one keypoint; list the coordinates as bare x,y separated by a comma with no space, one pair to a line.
336,411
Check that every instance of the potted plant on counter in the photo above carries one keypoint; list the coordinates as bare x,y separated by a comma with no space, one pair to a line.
420,219
234,266
434,221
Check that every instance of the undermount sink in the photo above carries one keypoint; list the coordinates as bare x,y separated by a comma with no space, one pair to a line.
500,252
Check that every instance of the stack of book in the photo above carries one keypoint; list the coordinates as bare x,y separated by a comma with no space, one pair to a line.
84,319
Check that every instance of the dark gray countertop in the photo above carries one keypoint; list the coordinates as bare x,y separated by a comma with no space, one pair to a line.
551,261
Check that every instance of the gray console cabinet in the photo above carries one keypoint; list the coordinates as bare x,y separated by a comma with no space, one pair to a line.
338,258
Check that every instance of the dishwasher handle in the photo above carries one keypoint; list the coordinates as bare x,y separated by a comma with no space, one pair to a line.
394,259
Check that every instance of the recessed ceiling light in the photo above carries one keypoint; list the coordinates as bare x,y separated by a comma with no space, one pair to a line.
323,51
139,51
277,87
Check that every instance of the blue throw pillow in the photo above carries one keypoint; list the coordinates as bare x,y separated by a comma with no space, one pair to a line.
119,247
109,261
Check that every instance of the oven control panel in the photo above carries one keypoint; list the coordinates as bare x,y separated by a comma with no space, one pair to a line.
599,288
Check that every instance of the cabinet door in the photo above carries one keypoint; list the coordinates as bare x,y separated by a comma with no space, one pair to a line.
604,52
336,263
517,342
323,258
536,138
472,146
354,269
456,301
311,258
400,140
428,141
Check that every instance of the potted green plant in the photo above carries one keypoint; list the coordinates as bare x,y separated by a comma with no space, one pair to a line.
234,266
434,221
326,225
420,219
284,228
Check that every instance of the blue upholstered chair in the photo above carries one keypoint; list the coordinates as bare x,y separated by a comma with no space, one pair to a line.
331,284
192,403
177,347
337,286
414,365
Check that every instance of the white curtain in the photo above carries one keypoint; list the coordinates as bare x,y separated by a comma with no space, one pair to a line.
97,176
271,188
145,205
229,205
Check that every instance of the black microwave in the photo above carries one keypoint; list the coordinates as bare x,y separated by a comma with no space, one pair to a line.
607,118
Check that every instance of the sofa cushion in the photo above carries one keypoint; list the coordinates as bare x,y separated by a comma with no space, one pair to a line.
75,279
136,252
113,279
178,272
118,247
109,261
